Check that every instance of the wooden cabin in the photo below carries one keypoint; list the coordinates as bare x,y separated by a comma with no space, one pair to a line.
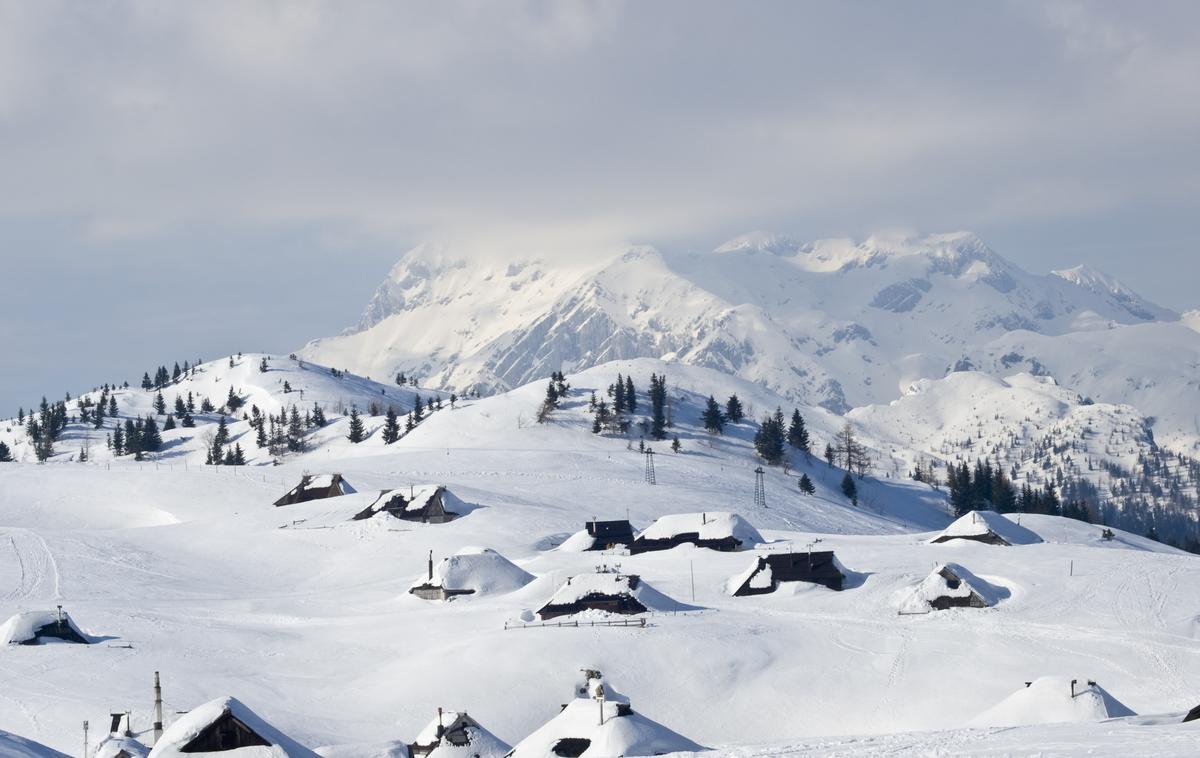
226,732
607,535
428,504
774,569
612,593
316,487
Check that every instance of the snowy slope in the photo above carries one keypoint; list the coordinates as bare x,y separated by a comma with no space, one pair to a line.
193,572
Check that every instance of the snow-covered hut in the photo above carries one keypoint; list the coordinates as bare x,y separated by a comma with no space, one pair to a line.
117,746
769,571
471,571
607,592
428,504
950,586
12,746
42,627
599,723
717,531
457,735
316,487
988,527
1192,715
225,724
1053,700
607,535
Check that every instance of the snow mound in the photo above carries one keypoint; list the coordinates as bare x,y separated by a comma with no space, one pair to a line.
579,542
951,584
479,569
12,746
457,735
1048,700
989,527
178,736
39,628
707,526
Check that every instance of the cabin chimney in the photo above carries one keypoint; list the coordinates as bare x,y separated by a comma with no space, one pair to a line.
431,572
441,729
60,619
158,725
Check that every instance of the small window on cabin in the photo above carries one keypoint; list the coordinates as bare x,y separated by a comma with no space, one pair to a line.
571,747
953,583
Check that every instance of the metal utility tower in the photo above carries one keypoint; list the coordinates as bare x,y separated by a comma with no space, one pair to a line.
650,466
760,492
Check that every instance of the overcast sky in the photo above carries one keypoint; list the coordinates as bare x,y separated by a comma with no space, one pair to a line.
183,180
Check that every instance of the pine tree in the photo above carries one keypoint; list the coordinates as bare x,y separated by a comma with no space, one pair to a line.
230,460
798,433
409,423
769,439
806,485
391,427
151,439
849,489
318,416
262,365
5,453
239,457
619,394
206,405
176,373
160,405
357,433
169,424
260,436
295,431
187,422
417,411
146,383
733,410
233,402
133,438
112,406
631,403
829,454
220,439
713,419
118,441
180,408
191,403
658,404
21,416
675,446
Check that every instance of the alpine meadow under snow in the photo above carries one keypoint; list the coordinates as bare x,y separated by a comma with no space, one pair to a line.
545,508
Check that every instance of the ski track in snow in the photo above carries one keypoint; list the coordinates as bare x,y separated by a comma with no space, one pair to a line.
28,566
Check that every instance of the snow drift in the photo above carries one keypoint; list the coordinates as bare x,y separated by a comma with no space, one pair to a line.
477,570
40,628
1049,700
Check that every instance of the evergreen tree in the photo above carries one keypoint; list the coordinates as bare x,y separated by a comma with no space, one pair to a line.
21,416
180,408
287,386
230,460
602,417
675,446
260,435
318,416
619,394
5,454
806,485
797,435
829,454
191,403
146,383
409,423
187,422
400,379
417,411
206,405
658,404
295,431
169,424
233,402
118,441
239,457
357,433
733,410
160,405
769,439
176,373
262,365
112,406
220,439
391,427
150,436
631,403
712,418
849,489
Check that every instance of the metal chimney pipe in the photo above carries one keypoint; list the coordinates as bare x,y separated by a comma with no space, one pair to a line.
431,567
158,722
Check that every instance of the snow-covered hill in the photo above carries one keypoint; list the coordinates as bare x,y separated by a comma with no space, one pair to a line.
304,614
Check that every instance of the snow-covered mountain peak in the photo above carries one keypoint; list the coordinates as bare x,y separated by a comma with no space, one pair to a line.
1191,319
760,241
1108,286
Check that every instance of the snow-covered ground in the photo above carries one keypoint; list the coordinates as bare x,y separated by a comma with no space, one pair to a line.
305,616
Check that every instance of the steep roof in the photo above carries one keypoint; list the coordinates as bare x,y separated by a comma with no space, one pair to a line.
12,746
581,586
620,735
938,584
479,742
23,627
977,524
192,724
114,746
1048,701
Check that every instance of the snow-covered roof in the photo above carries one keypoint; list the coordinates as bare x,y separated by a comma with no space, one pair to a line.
629,735
12,746
934,586
708,525
980,523
759,578
190,725
582,585
1048,700
480,743
23,627
480,569
113,745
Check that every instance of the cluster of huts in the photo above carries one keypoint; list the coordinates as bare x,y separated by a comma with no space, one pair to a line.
426,504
